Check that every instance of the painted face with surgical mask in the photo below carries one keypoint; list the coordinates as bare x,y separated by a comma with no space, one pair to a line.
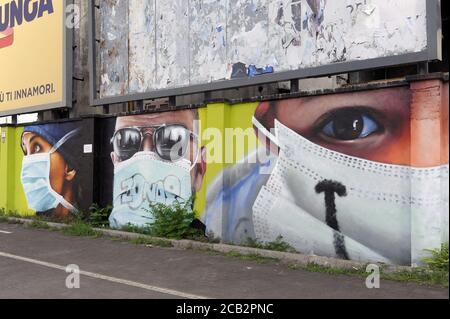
48,175
350,181
157,160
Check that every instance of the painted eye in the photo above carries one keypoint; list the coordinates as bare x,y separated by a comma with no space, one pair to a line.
36,149
348,125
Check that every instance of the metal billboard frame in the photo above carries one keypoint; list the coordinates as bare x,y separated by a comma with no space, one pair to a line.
66,101
433,52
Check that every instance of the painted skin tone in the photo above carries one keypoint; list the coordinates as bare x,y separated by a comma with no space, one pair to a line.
374,125
186,118
61,174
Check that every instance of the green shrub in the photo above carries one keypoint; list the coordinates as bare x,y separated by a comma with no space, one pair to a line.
439,258
99,216
174,221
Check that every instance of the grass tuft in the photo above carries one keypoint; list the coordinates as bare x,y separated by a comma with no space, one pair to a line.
418,275
277,245
130,228
151,242
252,257
38,224
80,228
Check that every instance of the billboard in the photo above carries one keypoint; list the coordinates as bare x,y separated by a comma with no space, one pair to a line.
34,56
153,48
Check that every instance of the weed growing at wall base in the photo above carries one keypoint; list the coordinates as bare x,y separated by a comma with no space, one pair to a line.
151,242
98,216
38,224
277,245
80,228
252,257
418,275
130,228
5,215
174,221
438,260
10,213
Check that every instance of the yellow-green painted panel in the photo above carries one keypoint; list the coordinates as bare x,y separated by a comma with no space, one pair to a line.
12,196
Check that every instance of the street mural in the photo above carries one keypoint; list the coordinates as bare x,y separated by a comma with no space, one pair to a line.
157,159
52,168
360,175
344,183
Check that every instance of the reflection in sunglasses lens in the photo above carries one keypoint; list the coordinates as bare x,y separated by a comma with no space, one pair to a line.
127,143
171,142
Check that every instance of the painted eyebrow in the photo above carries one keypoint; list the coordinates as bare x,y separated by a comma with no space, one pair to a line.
33,138
30,141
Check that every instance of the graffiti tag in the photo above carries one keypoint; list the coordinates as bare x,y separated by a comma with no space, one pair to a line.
330,188
136,191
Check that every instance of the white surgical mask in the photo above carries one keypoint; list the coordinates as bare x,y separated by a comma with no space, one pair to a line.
35,178
143,180
385,213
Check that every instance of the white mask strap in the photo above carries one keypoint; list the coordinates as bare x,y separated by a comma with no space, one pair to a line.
64,202
265,131
69,206
55,147
64,139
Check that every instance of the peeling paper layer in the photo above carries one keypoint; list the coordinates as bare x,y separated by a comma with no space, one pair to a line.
172,44
208,41
114,48
176,43
142,45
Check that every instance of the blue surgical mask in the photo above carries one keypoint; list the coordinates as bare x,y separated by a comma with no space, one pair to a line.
143,180
35,178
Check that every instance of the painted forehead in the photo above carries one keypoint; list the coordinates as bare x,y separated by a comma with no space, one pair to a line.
27,136
391,98
178,117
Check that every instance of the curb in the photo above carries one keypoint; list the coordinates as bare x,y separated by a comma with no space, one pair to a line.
283,257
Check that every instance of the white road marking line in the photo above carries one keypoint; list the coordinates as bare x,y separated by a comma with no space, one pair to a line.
107,278
5,232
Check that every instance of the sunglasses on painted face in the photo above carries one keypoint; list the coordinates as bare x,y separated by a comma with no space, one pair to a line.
170,142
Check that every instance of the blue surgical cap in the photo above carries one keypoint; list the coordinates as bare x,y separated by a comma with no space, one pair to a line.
53,133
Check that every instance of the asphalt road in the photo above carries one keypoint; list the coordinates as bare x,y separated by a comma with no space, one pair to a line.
33,262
